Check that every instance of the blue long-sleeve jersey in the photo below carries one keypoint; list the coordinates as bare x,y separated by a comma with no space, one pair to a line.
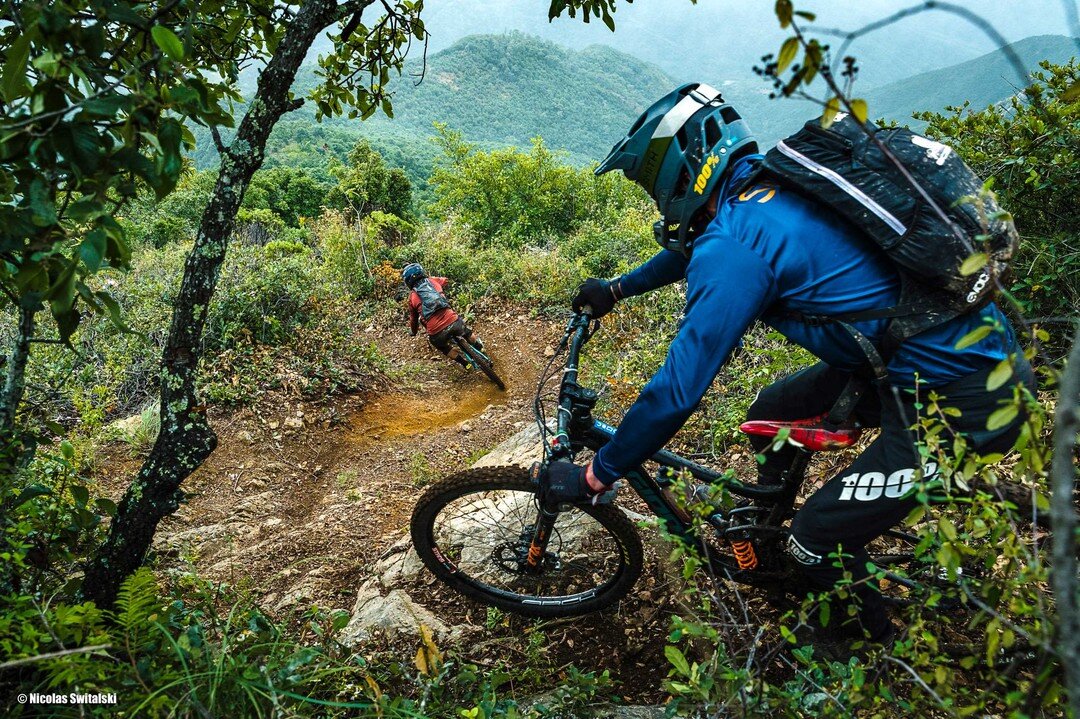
767,252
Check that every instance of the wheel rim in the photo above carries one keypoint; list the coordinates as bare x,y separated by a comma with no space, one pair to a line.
482,537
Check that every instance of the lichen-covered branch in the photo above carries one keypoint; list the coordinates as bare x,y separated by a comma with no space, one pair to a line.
15,381
186,438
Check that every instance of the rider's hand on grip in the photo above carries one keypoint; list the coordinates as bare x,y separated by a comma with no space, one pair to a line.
565,483
597,297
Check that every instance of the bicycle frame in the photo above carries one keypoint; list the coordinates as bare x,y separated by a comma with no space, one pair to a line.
577,429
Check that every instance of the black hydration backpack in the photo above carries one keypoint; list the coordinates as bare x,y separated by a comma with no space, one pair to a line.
842,167
431,300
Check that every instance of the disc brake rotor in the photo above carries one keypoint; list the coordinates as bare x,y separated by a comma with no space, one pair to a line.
511,557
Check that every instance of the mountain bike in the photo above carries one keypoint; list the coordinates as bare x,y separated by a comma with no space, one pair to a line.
487,533
478,360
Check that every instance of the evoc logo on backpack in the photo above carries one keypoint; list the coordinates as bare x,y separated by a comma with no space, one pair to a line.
976,290
852,167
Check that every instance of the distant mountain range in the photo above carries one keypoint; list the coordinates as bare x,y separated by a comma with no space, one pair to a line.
716,40
984,81
501,90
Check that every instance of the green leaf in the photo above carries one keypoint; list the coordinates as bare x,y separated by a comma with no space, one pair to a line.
787,53
107,506
1072,92
1002,417
784,12
858,109
81,494
167,40
113,308
806,15
92,249
1000,374
29,492
14,83
824,613
974,337
973,264
831,108
677,660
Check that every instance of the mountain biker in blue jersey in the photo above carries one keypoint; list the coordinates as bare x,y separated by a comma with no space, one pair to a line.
764,252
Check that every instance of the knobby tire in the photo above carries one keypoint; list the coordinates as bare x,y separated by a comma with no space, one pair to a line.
487,479
481,361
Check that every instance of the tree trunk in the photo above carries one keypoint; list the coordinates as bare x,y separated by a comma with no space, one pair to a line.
186,439
15,382
1063,522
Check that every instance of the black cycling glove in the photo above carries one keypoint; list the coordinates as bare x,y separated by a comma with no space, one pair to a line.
600,295
565,482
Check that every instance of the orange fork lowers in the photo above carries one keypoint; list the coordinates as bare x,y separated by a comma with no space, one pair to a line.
536,551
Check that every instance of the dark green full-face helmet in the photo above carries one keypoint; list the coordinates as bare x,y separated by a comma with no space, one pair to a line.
678,150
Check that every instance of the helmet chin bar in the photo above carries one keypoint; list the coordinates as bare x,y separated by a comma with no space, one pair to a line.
669,236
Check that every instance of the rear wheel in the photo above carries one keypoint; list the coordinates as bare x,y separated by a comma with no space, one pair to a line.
473,531
481,360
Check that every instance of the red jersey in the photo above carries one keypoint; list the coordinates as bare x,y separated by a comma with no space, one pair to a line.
438,321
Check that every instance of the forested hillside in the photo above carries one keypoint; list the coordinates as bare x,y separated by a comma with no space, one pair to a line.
723,40
498,90
504,90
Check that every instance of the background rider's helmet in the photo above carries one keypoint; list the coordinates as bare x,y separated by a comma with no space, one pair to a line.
678,150
412,274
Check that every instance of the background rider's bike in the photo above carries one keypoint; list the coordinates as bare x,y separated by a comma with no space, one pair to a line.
476,357
487,534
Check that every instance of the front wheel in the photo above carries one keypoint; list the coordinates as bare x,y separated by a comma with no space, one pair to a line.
473,531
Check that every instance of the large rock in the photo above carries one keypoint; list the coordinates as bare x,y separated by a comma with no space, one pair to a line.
522,450
391,615
400,566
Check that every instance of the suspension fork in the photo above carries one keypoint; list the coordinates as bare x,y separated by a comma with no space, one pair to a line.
545,524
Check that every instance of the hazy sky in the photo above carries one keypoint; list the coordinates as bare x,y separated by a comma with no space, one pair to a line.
721,37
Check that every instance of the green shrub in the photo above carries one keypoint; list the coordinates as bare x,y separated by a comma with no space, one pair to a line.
257,226
168,228
365,185
386,230
512,198
290,193
282,248
345,254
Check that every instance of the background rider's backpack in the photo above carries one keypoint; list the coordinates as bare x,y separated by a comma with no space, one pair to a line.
842,167
431,300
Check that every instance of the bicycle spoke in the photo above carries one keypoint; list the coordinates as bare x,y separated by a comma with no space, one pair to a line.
487,536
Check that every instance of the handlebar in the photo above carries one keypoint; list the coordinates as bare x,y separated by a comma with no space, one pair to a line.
578,331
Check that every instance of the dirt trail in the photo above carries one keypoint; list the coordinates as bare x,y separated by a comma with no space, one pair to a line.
301,499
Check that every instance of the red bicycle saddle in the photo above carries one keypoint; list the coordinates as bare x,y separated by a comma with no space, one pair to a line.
810,433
